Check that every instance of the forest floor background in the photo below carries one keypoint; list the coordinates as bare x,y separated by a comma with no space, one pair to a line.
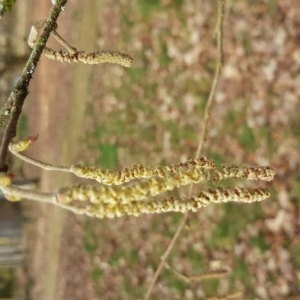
112,117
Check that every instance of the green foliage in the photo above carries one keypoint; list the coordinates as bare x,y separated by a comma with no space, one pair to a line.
109,155
241,270
97,274
6,282
272,7
231,224
6,6
22,126
90,239
246,42
247,139
260,243
164,58
177,4
108,152
211,286
266,134
294,251
174,282
147,7
296,189
131,257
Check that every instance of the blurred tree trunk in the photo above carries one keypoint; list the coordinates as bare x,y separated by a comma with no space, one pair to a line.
10,235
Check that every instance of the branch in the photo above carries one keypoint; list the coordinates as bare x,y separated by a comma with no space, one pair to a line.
117,199
13,107
14,193
198,278
23,193
237,295
73,55
219,32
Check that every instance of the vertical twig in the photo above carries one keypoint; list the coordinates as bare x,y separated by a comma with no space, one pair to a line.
219,63
13,107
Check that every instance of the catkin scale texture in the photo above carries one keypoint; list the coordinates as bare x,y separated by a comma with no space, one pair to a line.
93,206
138,189
94,58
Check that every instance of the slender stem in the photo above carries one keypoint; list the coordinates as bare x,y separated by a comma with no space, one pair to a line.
219,28
228,297
40,164
28,194
189,279
13,107
63,42
34,195
219,64
165,256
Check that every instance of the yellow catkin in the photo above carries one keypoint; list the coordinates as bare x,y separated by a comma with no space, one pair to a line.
176,175
251,173
115,194
171,178
12,198
192,171
140,171
132,191
5,179
23,144
94,58
94,208
97,57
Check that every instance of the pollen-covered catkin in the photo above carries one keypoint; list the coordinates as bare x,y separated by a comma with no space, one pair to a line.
97,57
140,171
133,190
138,191
94,208
251,173
94,58
5,179
192,171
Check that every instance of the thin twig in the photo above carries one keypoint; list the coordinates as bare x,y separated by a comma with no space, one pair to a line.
165,256
23,193
237,295
219,28
28,194
219,64
40,164
207,275
63,42
13,107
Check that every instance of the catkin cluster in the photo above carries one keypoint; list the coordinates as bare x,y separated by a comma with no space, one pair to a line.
192,171
139,171
88,200
117,196
136,190
74,55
